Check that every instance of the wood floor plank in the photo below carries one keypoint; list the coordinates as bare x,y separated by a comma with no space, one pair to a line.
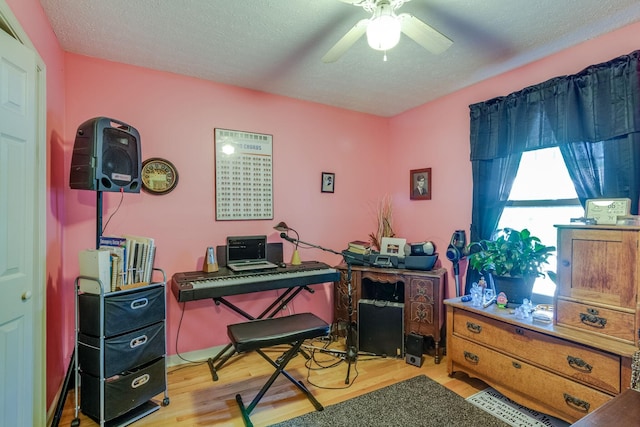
196,400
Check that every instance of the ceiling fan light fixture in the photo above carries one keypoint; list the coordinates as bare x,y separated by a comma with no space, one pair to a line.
383,31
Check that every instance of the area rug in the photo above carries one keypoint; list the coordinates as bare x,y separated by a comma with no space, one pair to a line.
510,412
419,401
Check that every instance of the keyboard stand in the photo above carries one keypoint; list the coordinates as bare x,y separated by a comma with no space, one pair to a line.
281,301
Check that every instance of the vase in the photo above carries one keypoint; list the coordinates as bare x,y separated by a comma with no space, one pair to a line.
515,288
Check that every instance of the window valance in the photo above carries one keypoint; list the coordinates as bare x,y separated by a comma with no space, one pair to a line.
600,103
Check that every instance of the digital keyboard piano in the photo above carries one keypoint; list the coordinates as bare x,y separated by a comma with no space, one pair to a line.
196,285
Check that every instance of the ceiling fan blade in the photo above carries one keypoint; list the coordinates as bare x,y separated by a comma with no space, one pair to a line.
346,41
426,36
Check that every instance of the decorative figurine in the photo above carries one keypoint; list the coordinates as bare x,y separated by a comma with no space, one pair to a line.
502,300
483,284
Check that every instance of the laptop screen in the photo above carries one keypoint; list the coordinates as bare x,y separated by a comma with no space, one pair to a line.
246,248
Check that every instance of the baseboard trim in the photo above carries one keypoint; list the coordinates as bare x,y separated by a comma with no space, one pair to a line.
196,356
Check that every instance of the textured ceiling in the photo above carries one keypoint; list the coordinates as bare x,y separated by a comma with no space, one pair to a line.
276,46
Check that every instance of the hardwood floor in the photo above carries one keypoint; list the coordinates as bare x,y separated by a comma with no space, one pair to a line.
196,400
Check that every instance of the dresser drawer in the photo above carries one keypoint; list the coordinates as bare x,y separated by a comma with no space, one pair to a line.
122,392
121,352
528,384
123,311
584,364
611,323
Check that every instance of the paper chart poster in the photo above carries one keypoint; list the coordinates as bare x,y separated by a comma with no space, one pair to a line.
244,175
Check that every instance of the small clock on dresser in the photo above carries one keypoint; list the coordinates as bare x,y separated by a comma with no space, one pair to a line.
159,176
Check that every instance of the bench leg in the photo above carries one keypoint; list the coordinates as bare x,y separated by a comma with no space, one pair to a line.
245,414
295,382
279,370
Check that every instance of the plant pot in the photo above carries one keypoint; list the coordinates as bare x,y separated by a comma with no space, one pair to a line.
515,288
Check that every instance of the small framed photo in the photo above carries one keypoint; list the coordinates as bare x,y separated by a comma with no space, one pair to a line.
392,246
328,182
420,184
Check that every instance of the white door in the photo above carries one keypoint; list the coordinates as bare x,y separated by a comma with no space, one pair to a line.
18,231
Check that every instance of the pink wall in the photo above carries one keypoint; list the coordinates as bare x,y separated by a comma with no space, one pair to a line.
176,117
436,135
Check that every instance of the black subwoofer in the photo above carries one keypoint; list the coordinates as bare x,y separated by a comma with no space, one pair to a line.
106,157
381,327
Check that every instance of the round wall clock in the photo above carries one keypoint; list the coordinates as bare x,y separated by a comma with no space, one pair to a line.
159,176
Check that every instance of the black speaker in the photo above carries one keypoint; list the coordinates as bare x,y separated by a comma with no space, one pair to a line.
381,327
415,344
106,157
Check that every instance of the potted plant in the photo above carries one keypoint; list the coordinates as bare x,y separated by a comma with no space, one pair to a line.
514,260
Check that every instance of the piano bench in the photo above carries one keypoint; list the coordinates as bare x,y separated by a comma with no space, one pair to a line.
255,335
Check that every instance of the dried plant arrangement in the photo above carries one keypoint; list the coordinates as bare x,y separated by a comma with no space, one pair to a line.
384,217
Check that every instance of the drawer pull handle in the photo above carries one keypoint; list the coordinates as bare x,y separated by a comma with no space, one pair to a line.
519,331
140,381
138,341
476,329
579,364
591,319
576,403
516,365
470,357
139,303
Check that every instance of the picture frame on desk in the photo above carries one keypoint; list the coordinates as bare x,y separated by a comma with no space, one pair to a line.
392,246
420,184
328,182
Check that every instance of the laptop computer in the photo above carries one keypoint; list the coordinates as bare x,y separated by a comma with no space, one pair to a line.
247,253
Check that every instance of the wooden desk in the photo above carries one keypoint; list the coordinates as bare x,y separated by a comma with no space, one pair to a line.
420,291
622,410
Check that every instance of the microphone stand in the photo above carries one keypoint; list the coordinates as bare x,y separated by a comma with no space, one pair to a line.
351,353
456,275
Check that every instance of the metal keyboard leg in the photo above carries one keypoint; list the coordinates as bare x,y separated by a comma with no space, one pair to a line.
223,357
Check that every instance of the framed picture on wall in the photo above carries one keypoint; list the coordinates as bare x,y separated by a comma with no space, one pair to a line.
328,182
420,184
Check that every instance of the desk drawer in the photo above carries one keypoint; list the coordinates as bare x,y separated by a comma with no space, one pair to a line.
611,323
544,390
580,363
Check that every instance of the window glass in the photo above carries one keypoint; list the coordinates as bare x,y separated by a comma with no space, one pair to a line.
542,175
542,180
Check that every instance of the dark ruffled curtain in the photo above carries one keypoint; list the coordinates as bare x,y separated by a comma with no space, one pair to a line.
594,118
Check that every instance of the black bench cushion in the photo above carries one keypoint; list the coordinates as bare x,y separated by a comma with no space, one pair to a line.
262,333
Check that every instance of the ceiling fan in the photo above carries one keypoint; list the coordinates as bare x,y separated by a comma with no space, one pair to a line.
384,27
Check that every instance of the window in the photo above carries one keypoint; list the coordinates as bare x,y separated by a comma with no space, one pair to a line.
542,196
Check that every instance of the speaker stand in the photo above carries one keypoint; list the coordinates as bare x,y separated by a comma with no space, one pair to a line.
98,218
72,369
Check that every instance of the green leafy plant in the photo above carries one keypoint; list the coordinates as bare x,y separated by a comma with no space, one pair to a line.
513,253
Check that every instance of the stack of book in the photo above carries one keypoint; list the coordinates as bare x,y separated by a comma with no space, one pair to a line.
359,247
119,262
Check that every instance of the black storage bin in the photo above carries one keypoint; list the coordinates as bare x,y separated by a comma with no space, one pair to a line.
122,392
122,351
123,311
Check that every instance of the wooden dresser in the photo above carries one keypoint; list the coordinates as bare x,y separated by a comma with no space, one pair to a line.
598,280
420,291
555,369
